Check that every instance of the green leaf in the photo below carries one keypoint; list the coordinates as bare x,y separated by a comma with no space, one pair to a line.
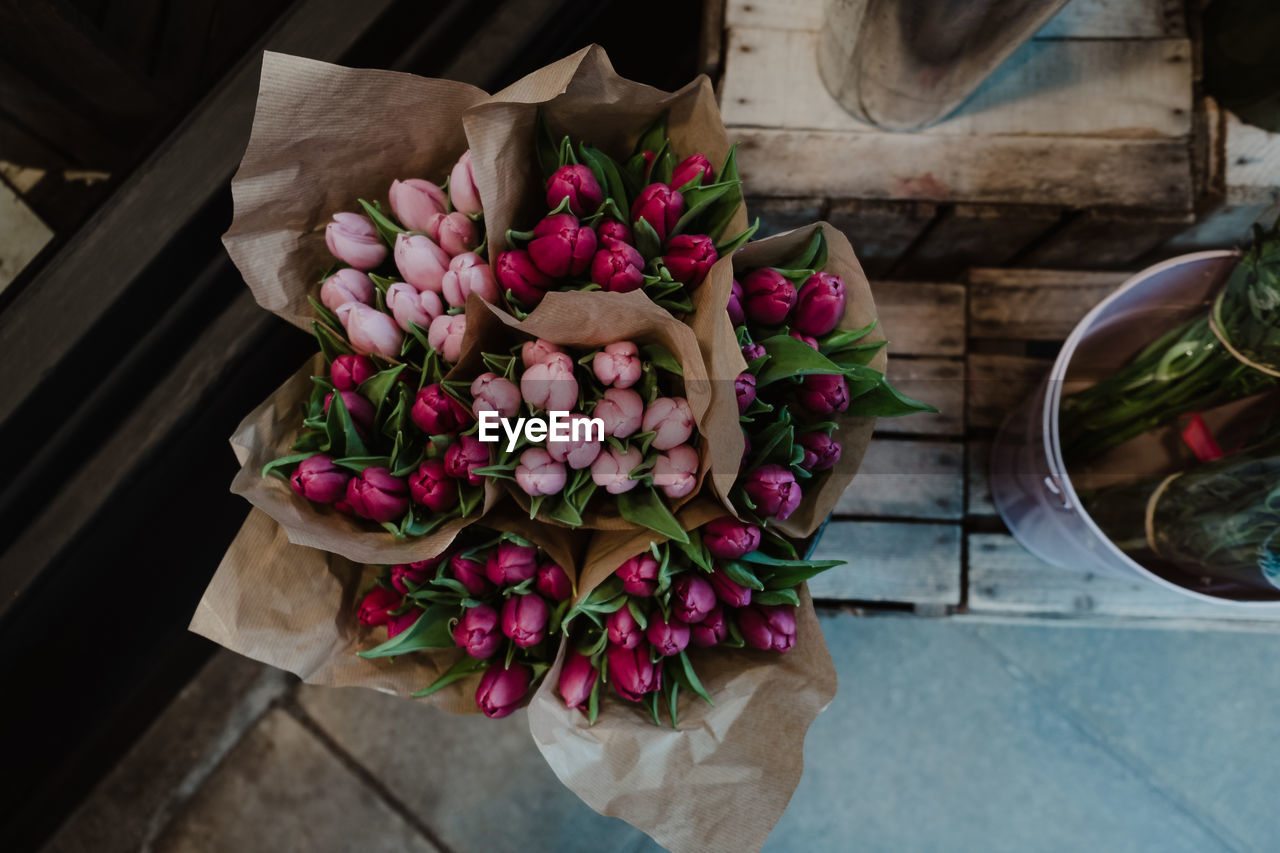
637,614
727,206
547,151
648,243
789,358
654,136
661,357
643,506
326,316
672,689
776,596
734,243
274,466
466,666
606,173
885,401
431,631
692,677
387,229
379,385
699,200
741,575
359,463
343,438
854,354
565,512
816,248
331,343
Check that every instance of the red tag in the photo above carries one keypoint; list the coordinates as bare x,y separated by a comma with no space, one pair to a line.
1200,440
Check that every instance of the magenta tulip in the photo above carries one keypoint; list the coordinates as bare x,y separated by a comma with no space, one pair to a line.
348,371
435,412
774,491
639,575
691,168
510,564
771,627
692,598
807,340
361,410
415,201
552,581
524,619
731,593
464,456
660,206
375,604
821,451
432,486
502,690
353,239
668,636
823,394
403,622
470,573
689,257
618,268
632,672
517,273
768,297
744,387
317,479
561,247
751,352
613,230
623,629
376,495
478,631
737,299
713,629
579,186
727,538
577,680
407,577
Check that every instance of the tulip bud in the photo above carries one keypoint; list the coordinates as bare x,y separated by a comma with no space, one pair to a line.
618,268
462,186
433,227
376,495
561,247
468,273
524,619
639,575
502,690
751,352
821,451
660,206
458,234
669,637
478,632
623,629
403,622
348,371
579,186
492,393
317,479
808,340
375,604
445,336
736,300
537,351
613,230
415,201
676,471
370,331
822,394
470,573
612,470
773,490
408,305
579,453
689,257
577,680
727,538
360,409
692,598
744,387
510,564
690,168
550,384
518,274
346,285
421,262
539,474
464,456
552,582
432,486
768,297
713,629
728,591
621,410
618,364
771,627
632,672
746,451
354,239
437,413
672,420
406,577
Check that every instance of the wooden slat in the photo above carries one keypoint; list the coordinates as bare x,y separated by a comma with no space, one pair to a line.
1102,239
1066,171
907,479
999,383
777,215
24,235
921,318
1034,304
970,234
881,231
1224,227
978,480
775,14
938,381
1103,87
1006,578
888,561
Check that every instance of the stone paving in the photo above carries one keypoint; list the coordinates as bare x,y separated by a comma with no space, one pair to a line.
945,735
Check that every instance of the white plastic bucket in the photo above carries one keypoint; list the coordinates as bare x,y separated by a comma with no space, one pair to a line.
1029,481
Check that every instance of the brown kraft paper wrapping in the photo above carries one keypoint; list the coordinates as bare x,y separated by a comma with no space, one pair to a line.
853,432
295,608
323,137
268,433
723,779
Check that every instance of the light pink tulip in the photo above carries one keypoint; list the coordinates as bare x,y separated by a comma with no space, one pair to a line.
370,331
622,411
550,384
433,227
676,471
618,365
462,186
468,274
445,335
415,201
407,305
346,285
578,454
458,234
672,420
536,352
539,474
353,239
492,393
612,470
421,262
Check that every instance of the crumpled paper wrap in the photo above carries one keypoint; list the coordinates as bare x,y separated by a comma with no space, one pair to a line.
323,137
853,432
295,608
723,779
268,433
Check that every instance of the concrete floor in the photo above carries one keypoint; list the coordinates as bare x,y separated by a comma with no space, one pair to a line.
945,735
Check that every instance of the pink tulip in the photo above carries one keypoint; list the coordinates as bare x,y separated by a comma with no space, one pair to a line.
621,410
612,470
470,573
409,306
771,627
744,387
348,371
432,486
730,592
579,453
468,273
502,690
478,632
774,491
713,629
689,257
437,413
639,575
510,564
691,167
353,239
618,364
492,393
579,186
537,351
421,262
618,268
403,622
458,234
415,201
821,452
577,680
376,495
539,474
462,186
317,479
613,230
623,629
359,408
375,604
676,471
819,305
464,456
737,298
552,582
632,672
768,297
433,227
517,273
370,331
561,247
445,336
550,385
524,619
660,206
672,420
823,394
346,285
668,636
692,598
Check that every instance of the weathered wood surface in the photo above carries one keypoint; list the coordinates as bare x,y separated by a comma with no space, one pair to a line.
881,231
999,383
1034,304
976,233
978,502
939,381
891,562
1107,239
921,318
777,215
907,479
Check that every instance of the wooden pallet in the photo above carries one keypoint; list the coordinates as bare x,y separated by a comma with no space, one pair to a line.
917,526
